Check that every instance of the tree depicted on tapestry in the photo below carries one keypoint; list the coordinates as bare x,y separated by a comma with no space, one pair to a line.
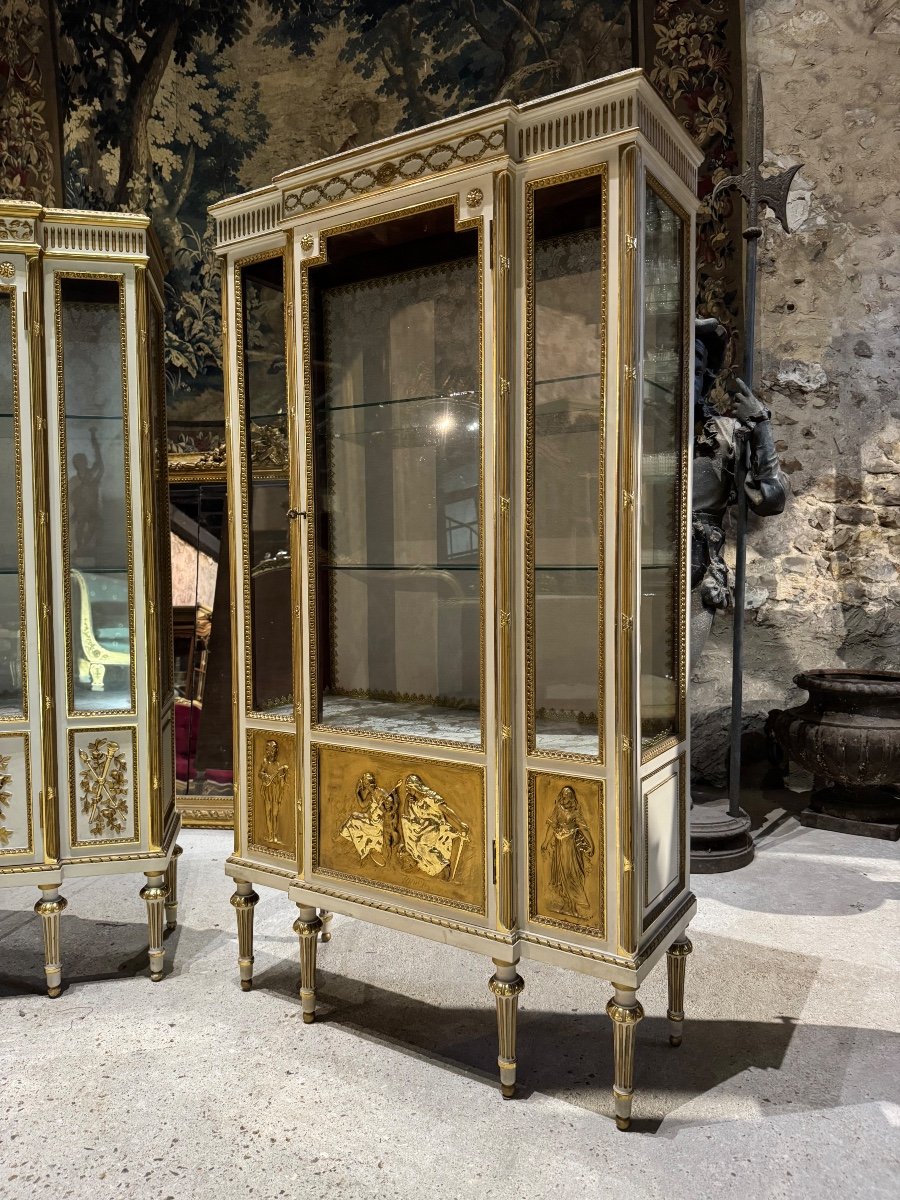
694,60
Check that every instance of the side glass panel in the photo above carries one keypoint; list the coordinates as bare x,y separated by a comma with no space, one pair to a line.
565,289
396,411
96,499
263,382
661,441
12,633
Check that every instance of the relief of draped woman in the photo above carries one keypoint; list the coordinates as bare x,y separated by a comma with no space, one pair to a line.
568,843
430,827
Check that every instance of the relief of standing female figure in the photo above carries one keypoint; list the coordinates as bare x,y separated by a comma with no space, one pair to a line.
568,843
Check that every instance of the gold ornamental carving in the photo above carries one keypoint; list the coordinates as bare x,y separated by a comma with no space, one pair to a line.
307,242
7,270
104,786
566,853
5,796
472,147
272,779
412,821
15,229
270,759
474,198
408,826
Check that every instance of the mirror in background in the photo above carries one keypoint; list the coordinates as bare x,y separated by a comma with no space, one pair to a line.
202,644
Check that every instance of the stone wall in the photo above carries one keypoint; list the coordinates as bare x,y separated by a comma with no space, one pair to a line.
823,582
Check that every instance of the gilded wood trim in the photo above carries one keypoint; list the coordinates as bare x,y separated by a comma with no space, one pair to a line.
503,600
150,572
600,171
669,742
320,259
295,499
119,279
43,558
233,508
626,557
287,742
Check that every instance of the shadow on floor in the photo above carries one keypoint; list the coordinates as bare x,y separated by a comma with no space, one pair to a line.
92,951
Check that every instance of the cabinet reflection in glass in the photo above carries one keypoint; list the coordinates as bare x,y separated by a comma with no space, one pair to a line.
397,419
96,501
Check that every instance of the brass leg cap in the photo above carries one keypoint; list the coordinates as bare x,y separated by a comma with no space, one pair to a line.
507,1090
156,976
623,1123
324,937
308,1018
674,1039
54,992
246,985
170,925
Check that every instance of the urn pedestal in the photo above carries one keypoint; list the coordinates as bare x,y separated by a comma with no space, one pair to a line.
848,735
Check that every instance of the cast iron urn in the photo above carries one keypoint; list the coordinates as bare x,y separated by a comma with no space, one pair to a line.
847,734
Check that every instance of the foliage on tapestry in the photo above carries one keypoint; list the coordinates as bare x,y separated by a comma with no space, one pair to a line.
692,69
26,150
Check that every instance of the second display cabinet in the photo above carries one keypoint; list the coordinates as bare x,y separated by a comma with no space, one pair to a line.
460,377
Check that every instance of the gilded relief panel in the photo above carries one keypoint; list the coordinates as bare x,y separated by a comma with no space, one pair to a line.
272,793
15,796
409,826
566,853
103,807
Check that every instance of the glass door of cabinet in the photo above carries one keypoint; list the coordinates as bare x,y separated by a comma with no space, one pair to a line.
394,407
263,398
95,471
663,479
12,584
565,271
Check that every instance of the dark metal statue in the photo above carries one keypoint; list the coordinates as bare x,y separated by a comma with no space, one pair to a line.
719,444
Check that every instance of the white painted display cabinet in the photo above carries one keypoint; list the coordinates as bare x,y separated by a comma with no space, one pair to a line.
86,755
459,374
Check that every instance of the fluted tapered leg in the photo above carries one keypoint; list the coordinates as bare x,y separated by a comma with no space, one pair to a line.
48,909
244,901
676,961
307,927
325,935
506,985
172,886
154,895
625,1012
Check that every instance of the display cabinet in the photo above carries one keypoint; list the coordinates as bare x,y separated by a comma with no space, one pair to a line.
86,758
459,367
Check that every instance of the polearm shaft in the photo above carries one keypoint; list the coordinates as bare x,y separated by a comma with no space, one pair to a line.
756,190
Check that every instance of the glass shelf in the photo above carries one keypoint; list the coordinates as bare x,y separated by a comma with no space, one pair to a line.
441,396
400,566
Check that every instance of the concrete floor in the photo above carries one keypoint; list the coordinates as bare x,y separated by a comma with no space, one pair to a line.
788,1082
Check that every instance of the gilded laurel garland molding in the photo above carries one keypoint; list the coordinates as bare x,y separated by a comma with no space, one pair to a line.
119,280
472,147
7,795
601,172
